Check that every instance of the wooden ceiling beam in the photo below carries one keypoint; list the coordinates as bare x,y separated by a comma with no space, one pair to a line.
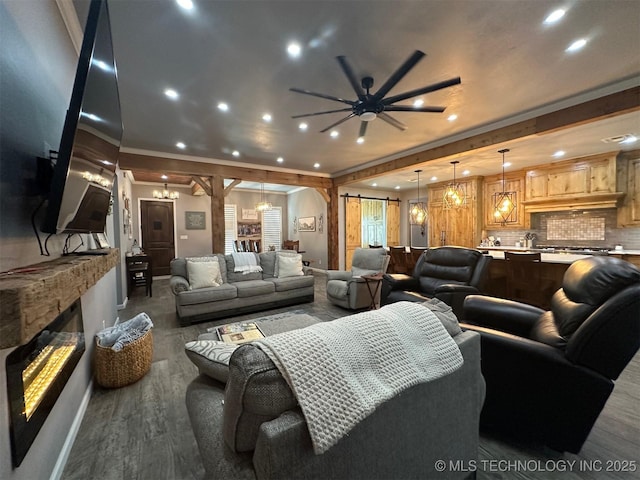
134,161
231,186
205,186
323,193
619,103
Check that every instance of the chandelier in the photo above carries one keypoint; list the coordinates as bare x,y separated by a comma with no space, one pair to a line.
505,203
166,193
418,214
455,195
262,205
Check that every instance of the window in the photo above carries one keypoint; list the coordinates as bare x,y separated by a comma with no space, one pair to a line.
230,228
374,222
272,228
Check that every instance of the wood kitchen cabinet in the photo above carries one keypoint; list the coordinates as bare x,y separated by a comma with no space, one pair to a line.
460,226
629,181
513,182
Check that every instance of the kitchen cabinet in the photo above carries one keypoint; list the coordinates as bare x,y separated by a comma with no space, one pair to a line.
629,180
513,182
460,226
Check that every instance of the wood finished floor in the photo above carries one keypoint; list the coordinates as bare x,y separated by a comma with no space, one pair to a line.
143,432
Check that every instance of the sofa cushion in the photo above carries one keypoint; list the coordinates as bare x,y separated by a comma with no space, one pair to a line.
204,274
268,264
289,265
211,357
256,392
292,283
251,288
233,276
225,291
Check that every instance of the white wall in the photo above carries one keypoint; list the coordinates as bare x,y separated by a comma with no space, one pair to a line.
308,203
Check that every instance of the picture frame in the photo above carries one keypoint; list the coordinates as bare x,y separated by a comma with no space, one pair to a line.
101,240
195,220
249,214
307,224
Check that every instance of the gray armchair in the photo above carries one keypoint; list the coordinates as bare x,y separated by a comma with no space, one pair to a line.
347,288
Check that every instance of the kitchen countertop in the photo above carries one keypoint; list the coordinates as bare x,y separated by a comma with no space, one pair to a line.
549,257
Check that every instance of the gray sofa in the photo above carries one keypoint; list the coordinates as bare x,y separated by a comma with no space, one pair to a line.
239,293
403,438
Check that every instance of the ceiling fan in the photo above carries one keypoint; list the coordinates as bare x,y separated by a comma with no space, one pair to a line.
370,106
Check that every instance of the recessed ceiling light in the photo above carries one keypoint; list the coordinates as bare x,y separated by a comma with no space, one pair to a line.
466,172
316,165
266,117
294,49
164,177
577,45
171,93
559,153
374,184
433,179
303,126
223,106
334,134
186,4
554,16
397,187
235,153
280,160
452,117
507,164
181,145
418,103
629,139
360,140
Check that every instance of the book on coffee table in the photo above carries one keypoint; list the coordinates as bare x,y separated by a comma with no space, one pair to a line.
241,332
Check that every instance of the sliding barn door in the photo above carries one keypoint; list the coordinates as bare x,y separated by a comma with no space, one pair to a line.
393,223
353,228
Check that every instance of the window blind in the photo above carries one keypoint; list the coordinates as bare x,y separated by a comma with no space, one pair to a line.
230,228
272,228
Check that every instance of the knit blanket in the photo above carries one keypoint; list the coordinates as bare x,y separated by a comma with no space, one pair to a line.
245,262
341,371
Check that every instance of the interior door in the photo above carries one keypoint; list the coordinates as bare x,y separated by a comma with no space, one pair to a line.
156,220
393,223
353,228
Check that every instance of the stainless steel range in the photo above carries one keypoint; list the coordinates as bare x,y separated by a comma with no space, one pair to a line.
577,249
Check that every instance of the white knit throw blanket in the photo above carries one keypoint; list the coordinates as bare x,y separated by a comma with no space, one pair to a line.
245,262
341,371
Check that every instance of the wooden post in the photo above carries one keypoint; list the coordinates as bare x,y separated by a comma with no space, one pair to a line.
333,260
217,213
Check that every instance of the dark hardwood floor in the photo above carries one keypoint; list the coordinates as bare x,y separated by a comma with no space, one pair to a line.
143,432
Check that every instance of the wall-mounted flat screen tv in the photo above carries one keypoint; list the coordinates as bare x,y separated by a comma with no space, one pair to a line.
83,176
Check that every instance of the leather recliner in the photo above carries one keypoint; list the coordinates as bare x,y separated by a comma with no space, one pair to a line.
447,273
550,373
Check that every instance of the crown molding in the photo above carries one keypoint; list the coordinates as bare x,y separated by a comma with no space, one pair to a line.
70,19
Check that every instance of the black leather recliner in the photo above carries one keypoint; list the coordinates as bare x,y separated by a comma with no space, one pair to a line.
550,373
447,273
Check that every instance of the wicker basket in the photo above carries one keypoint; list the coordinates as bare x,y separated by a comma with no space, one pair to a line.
117,369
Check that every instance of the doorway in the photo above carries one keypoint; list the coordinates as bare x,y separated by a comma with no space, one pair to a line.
157,234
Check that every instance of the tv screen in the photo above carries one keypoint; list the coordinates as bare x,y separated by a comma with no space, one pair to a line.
80,194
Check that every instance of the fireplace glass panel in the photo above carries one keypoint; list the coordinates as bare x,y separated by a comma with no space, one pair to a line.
37,373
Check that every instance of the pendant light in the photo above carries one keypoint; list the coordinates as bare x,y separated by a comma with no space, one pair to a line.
173,195
455,195
263,205
418,214
505,203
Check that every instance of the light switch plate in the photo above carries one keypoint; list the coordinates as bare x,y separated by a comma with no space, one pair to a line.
184,237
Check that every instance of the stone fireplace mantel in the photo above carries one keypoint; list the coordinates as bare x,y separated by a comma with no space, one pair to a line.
31,297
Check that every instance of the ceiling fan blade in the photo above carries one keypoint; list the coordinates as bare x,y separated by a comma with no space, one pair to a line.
322,95
320,113
338,122
398,74
392,121
422,91
348,71
409,108
363,128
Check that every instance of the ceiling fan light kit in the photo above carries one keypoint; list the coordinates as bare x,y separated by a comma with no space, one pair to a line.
455,195
505,204
370,106
162,194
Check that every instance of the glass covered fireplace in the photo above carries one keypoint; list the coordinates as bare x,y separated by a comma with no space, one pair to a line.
36,374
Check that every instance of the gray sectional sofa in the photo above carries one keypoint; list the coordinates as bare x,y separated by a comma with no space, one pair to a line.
239,292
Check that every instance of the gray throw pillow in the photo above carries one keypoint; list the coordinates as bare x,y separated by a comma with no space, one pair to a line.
211,357
444,314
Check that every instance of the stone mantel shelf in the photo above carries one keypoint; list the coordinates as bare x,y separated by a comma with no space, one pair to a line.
32,297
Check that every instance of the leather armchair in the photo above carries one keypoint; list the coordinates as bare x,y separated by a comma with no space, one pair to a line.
447,273
346,288
550,373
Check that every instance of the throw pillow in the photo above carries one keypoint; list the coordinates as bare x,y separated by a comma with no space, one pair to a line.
289,266
211,357
283,253
203,274
209,258
445,315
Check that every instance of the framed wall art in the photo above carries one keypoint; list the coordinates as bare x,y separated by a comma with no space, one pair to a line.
195,220
307,224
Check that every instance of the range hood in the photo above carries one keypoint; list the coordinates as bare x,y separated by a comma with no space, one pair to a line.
579,202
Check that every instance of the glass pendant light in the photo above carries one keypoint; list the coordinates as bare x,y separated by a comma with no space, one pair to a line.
173,195
455,195
505,203
418,214
263,205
